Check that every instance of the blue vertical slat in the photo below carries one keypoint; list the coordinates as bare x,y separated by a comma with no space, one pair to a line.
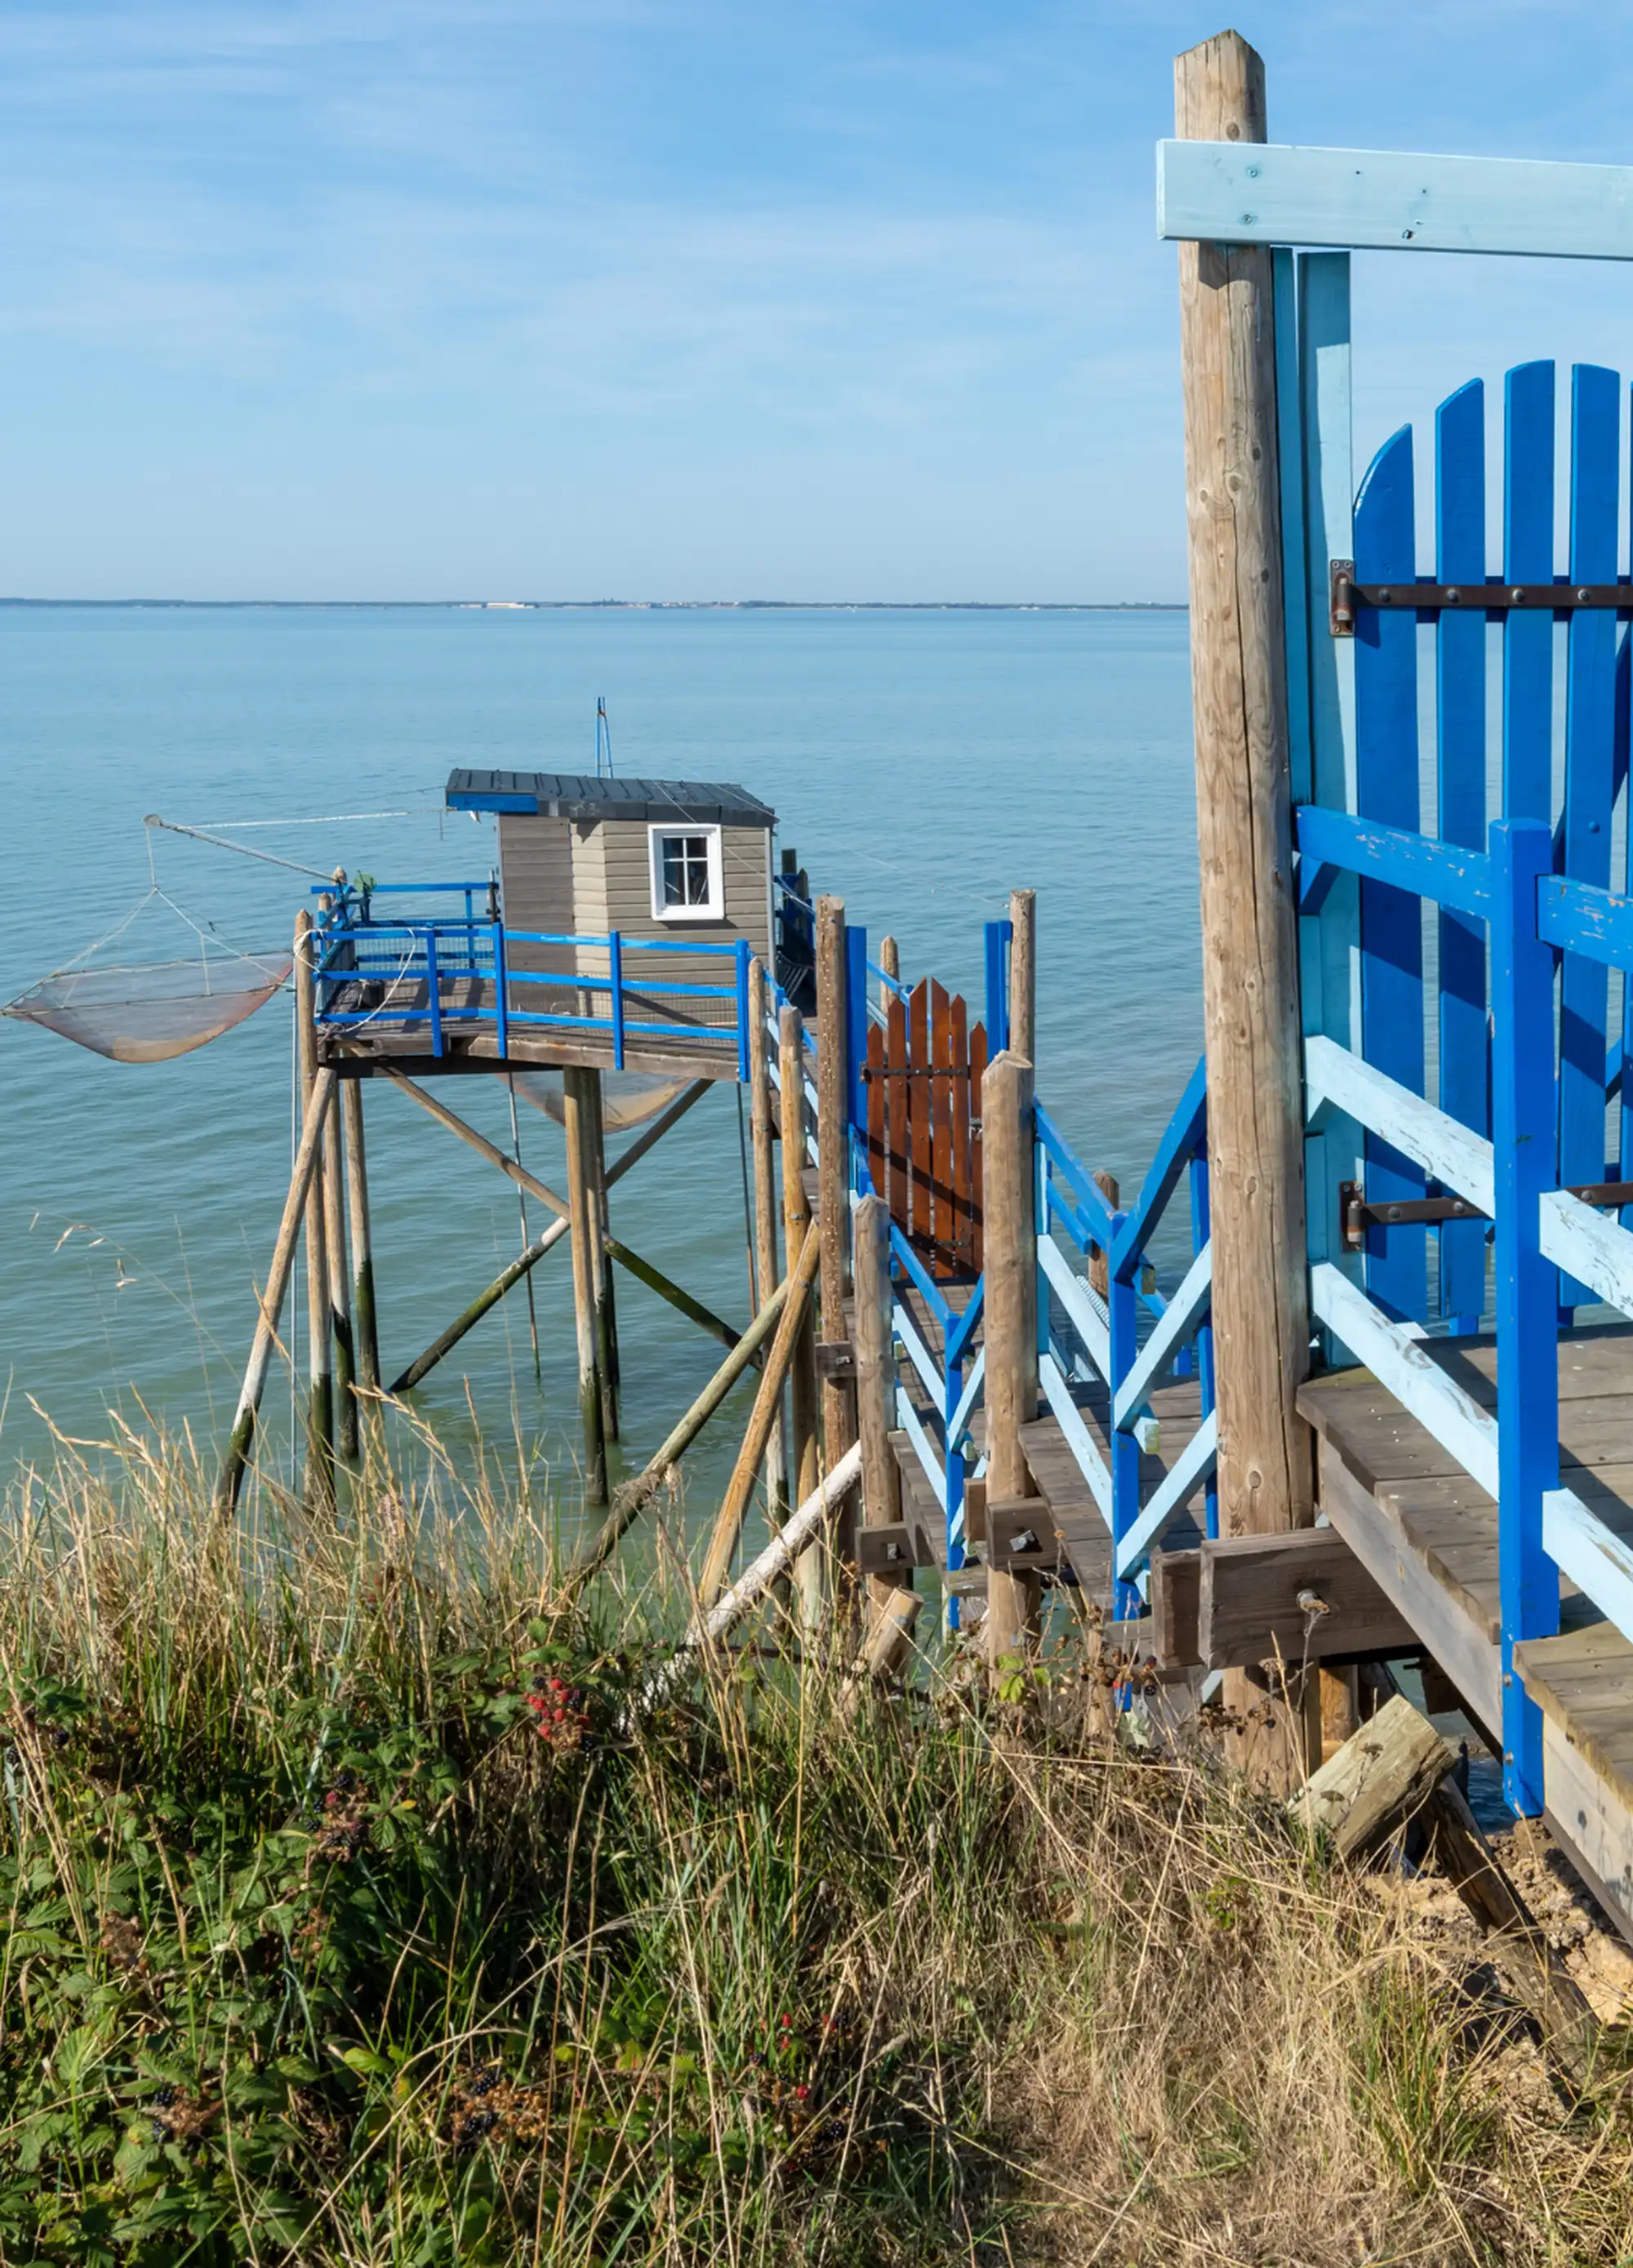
855,1022
997,987
616,971
1528,557
1387,789
1528,1358
1589,766
1461,721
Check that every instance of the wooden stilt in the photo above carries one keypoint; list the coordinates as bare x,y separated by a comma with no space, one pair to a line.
482,1146
1011,1334
606,1308
340,1286
802,1448
587,1250
364,1319
633,1495
839,1406
666,1288
479,1306
766,1270
798,1538
1023,974
1250,995
1099,1266
317,1486
890,965
271,1303
344,1358
647,1139
791,1331
876,1385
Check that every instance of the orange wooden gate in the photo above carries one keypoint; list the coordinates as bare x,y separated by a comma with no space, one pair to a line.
923,1079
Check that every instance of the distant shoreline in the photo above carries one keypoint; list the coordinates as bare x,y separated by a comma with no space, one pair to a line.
656,606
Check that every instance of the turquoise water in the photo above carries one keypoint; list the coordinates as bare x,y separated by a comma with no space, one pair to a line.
923,765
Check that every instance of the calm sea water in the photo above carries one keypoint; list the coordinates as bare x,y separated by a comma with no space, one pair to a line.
923,765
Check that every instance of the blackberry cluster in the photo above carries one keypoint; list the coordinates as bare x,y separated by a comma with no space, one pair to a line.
559,1714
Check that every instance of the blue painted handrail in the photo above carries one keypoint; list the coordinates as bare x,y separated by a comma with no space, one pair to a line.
436,953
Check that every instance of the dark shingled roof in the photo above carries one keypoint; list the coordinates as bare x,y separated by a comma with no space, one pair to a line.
573,795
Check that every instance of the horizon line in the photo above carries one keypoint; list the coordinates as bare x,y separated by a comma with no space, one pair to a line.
664,605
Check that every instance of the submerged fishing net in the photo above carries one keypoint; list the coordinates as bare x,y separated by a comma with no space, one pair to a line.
149,1012
628,1097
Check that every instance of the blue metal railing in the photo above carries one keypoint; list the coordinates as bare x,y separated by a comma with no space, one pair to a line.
435,973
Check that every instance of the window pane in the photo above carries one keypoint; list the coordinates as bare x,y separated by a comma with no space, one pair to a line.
685,870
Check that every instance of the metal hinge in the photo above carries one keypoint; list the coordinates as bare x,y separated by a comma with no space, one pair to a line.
1356,1216
1346,597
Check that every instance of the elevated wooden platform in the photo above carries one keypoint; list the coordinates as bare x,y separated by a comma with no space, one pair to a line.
472,1045
1429,1536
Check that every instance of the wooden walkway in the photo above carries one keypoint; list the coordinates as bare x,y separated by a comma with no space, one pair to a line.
1068,1540
1428,1534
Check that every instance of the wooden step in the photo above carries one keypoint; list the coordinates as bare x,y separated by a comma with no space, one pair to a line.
921,1506
1085,1538
1583,1682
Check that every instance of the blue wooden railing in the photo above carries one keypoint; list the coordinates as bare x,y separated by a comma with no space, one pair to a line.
417,963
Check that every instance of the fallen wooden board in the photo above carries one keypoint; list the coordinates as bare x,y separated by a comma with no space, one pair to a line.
1380,1776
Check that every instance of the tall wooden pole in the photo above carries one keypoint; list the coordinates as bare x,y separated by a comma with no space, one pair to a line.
1023,974
876,1385
1250,993
365,1324
802,1446
576,1108
318,1486
306,1160
1010,1274
340,1289
606,1309
839,1406
766,1273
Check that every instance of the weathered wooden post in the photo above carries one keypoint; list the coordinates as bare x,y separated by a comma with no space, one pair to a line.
839,1412
307,1161
364,1320
317,1486
890,965
1023,974
606,1309
766,1274
1011,1276
802,1445
586,1242
876,1386
340,1289
1250,997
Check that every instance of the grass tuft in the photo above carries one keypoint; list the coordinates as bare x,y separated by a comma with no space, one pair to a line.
357,1912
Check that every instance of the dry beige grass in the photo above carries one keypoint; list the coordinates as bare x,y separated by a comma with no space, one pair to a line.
1050,1999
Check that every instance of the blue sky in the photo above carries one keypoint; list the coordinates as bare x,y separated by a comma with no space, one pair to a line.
686,298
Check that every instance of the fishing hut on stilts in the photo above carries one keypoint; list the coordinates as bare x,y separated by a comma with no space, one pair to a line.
1379,1409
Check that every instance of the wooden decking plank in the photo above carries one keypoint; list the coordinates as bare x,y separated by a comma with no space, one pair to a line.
1583,1682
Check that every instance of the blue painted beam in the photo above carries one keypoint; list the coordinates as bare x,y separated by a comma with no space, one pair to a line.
1446,871
1391,201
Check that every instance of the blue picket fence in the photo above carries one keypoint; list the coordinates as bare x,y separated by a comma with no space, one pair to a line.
1501,828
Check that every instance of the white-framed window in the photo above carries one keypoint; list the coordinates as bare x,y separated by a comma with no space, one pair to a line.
687,884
